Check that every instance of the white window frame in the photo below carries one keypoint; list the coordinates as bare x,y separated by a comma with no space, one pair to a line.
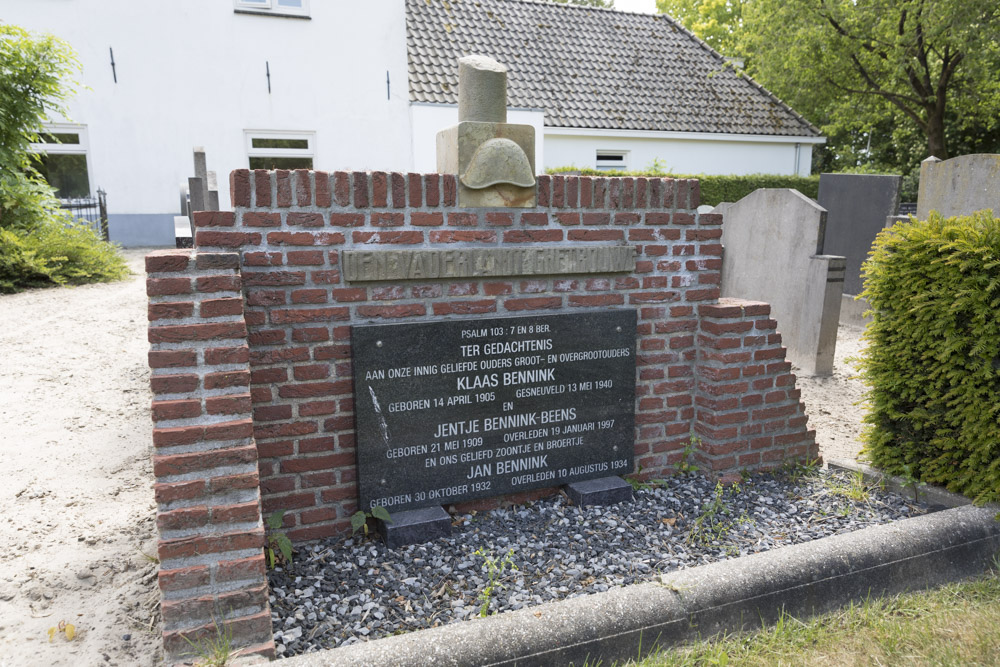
309,152
601,161
273,7
82,147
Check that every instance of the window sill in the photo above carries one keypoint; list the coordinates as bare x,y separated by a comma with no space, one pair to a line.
280,15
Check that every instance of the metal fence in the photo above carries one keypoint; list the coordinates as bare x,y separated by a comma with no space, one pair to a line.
90,210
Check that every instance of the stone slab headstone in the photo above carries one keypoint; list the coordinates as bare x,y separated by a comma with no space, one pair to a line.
182,232
774,252
959,186
857,206
415,526
455,410
601,491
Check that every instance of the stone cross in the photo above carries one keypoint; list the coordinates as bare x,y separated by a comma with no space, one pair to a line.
494,160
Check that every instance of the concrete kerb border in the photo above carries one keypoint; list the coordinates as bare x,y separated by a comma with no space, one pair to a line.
729,596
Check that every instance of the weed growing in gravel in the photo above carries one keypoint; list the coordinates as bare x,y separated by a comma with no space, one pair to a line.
360,518
686,464
277,539
715,521
797,471
911,481
213,650
495,568
853,488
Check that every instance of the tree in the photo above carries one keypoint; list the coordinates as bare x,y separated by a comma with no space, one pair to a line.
717,22
35,83
854,65
39,243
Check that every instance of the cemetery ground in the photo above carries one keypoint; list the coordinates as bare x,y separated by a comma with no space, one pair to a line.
75,440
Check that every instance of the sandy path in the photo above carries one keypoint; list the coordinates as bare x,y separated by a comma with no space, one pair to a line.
833,403
75,492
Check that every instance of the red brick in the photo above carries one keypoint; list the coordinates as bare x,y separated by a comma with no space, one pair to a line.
415,190
498,219
252,568
532,236
323,196
384,219
538,303
226,239
167,286
464,236
221,307
456,219
342,188
185,332
535,219
596,235
262,187
301,464
388,237
317,295
596,300
299,315
544,190
180,409
406,310
170,311
360,181
432,189
464,307
380,189
174,384
315,389
172,358
218,356
283,187
188,547
239,187
183,578
227,379
167,261
228,405
398,189
181,464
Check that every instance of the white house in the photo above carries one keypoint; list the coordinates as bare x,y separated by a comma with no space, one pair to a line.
334,84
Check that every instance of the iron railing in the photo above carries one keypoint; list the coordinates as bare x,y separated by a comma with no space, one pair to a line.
90,210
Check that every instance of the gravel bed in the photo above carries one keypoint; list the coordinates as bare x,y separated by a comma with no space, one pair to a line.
339,592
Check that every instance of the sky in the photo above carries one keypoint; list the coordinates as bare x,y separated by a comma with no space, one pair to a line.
647,6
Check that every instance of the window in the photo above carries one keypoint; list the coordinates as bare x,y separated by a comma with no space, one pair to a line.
61,158
280,150
274,7
612,160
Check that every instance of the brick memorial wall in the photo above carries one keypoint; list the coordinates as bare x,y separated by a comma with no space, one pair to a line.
252,359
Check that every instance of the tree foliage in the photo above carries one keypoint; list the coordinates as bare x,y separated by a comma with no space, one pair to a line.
39,243
900,68
717,22
35,83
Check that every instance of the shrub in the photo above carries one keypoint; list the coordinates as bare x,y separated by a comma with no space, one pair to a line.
57,252
932,366
716,189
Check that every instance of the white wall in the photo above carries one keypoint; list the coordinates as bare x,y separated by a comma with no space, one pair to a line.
192,73
682,153
429,119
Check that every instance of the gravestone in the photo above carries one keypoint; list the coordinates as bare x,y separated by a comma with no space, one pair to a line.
857,206
959,186
456,410
774,252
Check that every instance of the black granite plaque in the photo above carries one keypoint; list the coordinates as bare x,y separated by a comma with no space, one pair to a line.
455,410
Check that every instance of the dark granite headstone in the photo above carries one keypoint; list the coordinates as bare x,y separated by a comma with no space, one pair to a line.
857,208
455,410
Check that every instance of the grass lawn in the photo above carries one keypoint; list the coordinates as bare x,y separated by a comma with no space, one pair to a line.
958,624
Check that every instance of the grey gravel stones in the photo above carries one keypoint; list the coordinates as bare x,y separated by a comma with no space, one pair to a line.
339,592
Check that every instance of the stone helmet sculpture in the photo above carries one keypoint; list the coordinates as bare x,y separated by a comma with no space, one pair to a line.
493,159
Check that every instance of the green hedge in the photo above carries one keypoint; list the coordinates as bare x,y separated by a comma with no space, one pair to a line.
932,366
717,189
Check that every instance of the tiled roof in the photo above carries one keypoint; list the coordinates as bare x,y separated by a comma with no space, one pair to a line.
591,68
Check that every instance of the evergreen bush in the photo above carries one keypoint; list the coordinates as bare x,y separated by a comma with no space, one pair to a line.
716,189
932,366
